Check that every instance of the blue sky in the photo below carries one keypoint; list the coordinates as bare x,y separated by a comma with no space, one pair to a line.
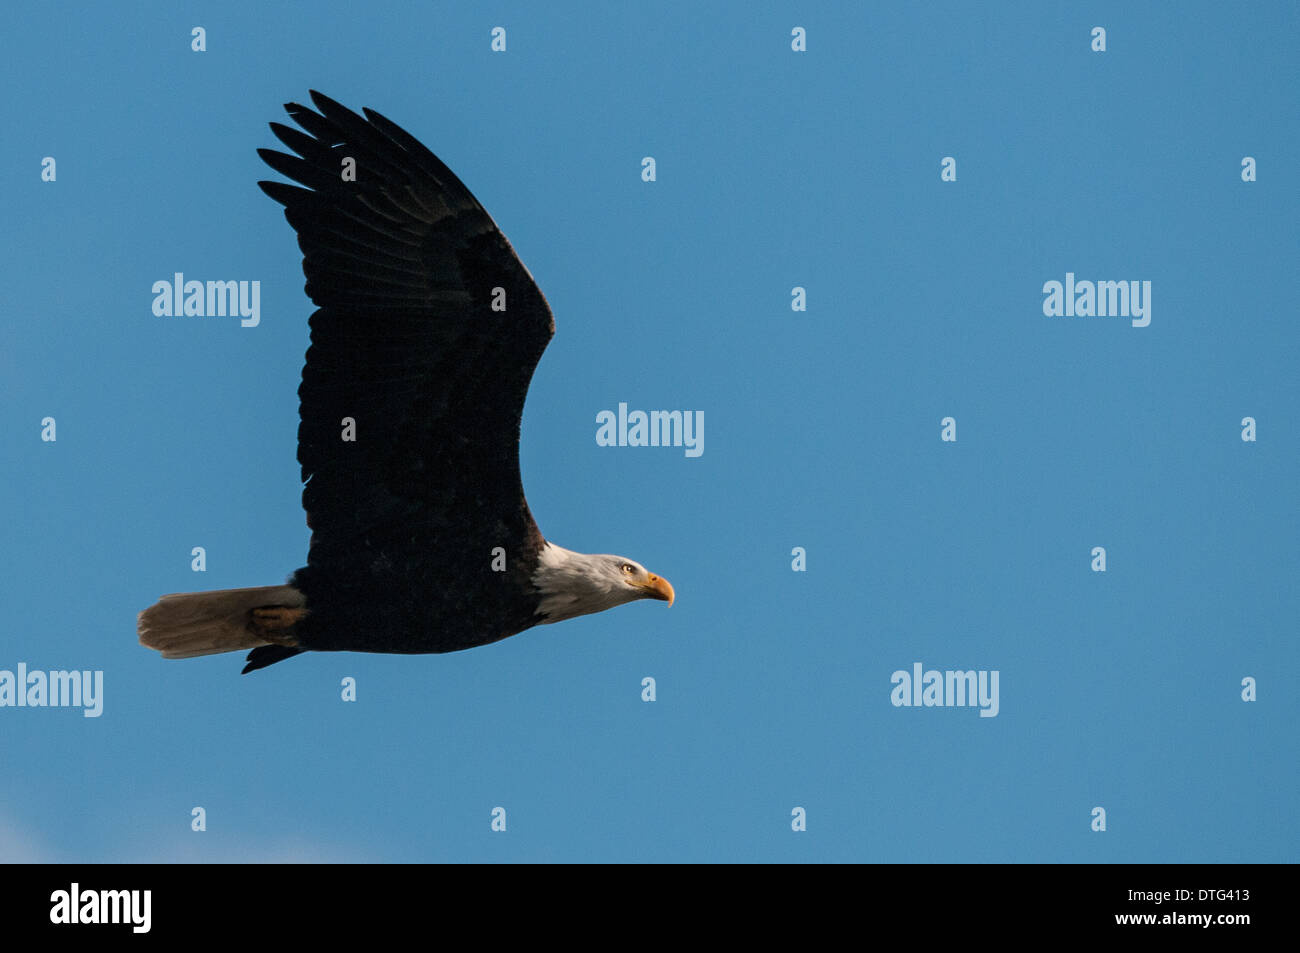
775,169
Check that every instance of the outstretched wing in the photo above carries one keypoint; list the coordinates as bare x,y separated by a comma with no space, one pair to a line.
428,331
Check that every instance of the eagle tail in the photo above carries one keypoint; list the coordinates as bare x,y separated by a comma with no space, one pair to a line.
189,624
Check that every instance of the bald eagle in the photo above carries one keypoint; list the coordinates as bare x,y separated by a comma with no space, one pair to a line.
427,332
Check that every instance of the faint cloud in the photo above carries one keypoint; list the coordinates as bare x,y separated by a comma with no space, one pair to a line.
204,848
19,846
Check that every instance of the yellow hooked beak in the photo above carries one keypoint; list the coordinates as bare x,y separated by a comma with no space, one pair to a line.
657,587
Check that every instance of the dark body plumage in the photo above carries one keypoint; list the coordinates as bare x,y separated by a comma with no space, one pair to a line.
402,264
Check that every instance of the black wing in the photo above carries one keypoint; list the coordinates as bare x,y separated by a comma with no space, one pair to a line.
405,266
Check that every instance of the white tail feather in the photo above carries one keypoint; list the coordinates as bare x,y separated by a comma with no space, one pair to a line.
188,624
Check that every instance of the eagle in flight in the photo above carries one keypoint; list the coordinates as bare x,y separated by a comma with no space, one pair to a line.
427,332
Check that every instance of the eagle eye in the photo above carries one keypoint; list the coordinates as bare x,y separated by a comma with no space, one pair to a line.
627,567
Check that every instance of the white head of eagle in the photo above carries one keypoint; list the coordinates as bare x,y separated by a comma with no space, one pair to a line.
573,584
